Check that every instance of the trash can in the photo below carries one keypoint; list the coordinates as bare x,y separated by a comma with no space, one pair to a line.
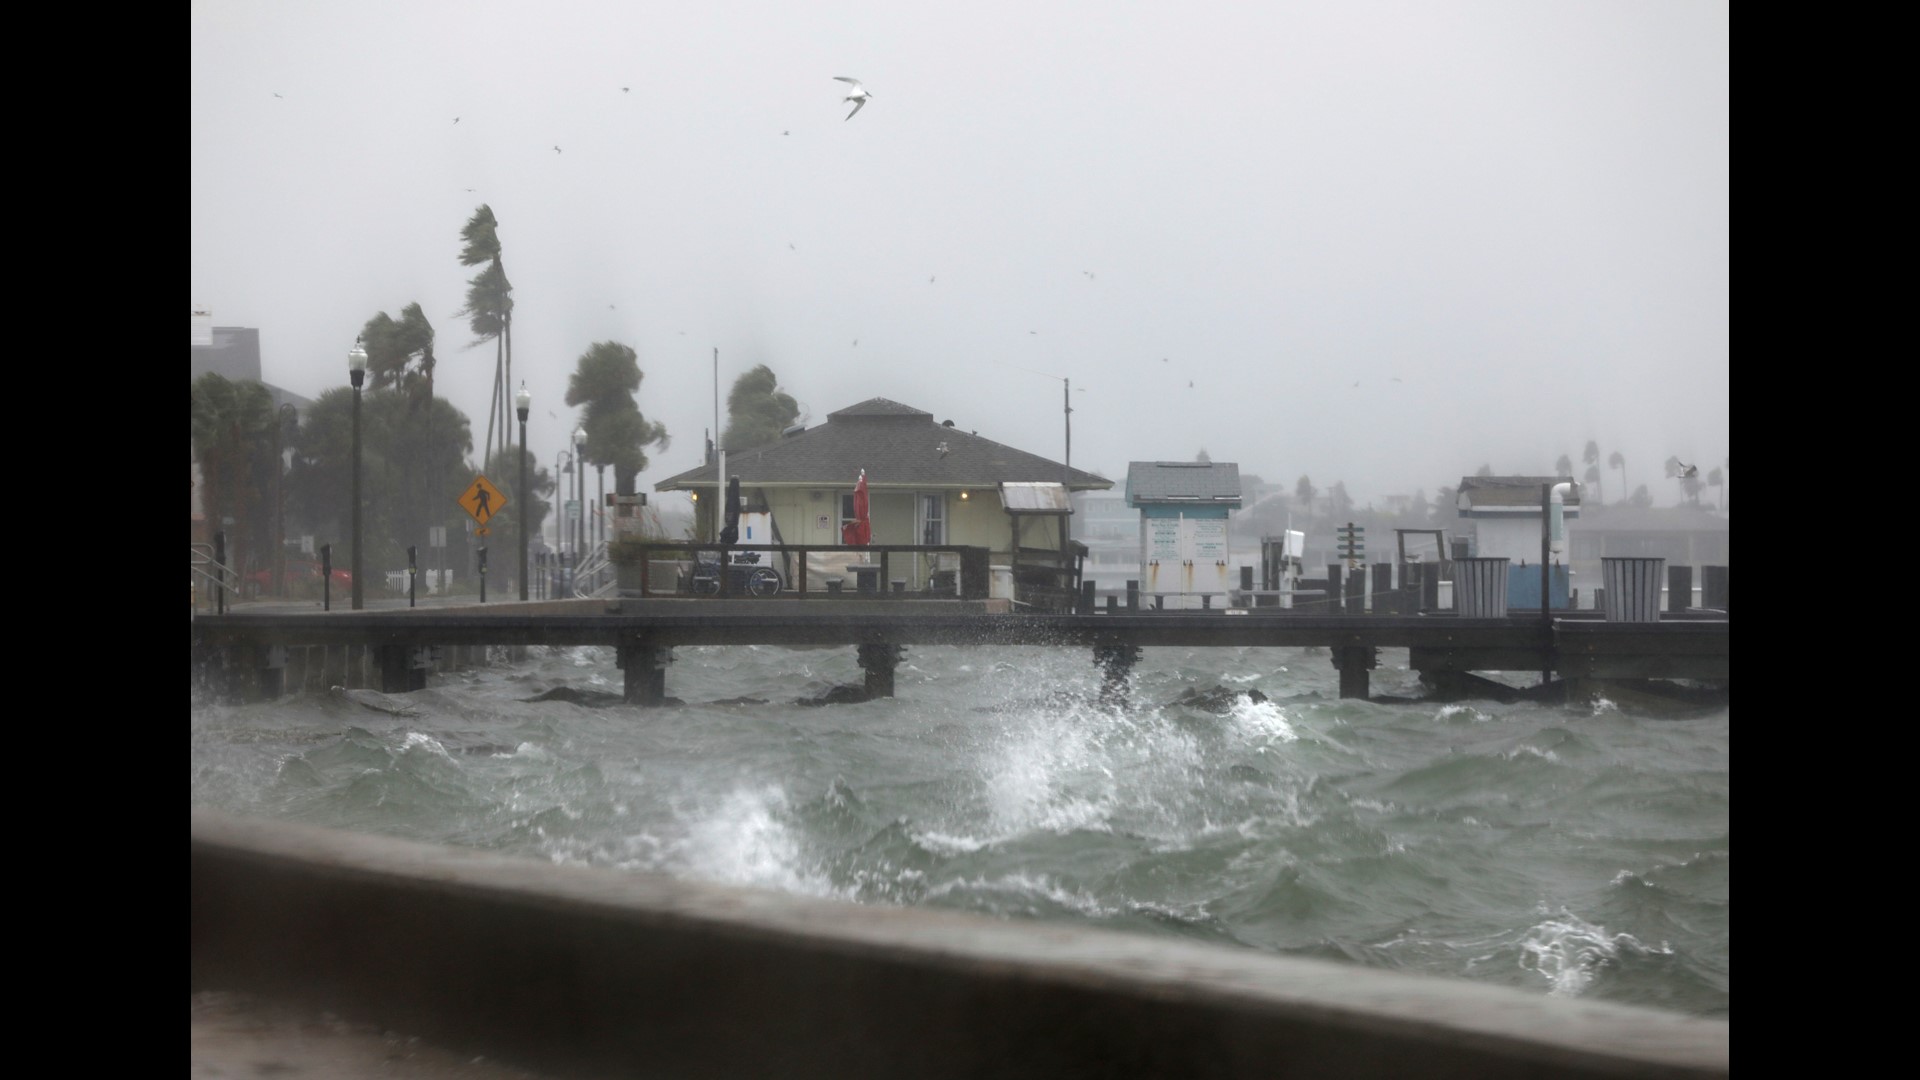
1480,587
1632,588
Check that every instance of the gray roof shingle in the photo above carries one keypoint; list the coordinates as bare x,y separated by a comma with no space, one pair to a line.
898,445
1485,491
1215,482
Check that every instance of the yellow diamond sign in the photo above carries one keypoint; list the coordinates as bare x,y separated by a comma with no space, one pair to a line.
482,500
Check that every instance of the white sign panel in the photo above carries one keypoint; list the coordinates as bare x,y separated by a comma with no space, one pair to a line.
1209,539
1163,539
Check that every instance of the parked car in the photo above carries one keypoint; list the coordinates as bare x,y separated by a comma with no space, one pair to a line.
303,575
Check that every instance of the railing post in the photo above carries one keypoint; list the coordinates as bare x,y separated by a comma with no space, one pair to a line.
220,573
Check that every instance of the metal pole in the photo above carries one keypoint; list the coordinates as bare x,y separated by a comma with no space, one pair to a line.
1546,608
359,586
720,455
526,501
580,504
413,552
289,417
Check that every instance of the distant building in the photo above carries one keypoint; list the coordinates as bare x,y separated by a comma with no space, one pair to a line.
1682,535
232,352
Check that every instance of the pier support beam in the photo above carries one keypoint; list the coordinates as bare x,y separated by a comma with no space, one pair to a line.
270,671
403,667
1353,662
645,667
1117,662
878,662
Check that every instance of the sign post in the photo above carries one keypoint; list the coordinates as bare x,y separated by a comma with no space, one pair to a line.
481,501
1353,544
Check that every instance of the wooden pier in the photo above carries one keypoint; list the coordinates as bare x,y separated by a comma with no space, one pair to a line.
248,654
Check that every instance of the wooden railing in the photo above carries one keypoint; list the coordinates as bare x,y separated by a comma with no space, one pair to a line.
870,570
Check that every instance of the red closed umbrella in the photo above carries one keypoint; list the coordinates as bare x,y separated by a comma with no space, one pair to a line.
859,531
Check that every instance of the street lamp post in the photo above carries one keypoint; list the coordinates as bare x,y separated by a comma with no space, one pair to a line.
521,402
289,425
580,488
357,370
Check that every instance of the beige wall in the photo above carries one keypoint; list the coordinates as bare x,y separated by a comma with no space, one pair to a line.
976,521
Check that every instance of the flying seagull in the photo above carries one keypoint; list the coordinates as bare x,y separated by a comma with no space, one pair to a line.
858,95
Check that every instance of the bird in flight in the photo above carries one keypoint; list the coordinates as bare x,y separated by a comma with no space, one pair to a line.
556,149
858,95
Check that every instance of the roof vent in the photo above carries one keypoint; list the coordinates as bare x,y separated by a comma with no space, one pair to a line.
946,423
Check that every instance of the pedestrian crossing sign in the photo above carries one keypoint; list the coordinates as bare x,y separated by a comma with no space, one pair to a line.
482,500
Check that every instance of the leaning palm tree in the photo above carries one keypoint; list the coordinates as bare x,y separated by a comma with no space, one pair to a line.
605,380
489,313
1593,477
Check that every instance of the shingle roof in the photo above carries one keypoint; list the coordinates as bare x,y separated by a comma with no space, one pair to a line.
898,445
1215,482
1480,492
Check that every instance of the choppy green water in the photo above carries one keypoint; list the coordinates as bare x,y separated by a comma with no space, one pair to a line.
1579,851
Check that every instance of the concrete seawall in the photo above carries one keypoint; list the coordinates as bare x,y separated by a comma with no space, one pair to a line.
576,971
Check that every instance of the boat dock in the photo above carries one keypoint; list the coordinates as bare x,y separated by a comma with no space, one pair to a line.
263,654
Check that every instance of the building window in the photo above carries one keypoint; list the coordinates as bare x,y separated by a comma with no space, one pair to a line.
846,515
933,519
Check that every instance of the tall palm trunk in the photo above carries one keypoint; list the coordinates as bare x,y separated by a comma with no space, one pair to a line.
506,388
493,407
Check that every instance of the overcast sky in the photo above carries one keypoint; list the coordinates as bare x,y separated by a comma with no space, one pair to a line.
1378,243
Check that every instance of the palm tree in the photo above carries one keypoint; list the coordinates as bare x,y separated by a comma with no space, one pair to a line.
400,353
236,437
605,380
489,312
757,410
1717,478
1563,467
1593,478
1616,461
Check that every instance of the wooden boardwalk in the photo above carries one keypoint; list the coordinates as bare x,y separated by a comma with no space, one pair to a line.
245,653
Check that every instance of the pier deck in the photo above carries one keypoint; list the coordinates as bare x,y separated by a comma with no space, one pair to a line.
247,650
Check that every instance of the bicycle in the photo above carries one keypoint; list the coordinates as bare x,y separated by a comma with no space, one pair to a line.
745,578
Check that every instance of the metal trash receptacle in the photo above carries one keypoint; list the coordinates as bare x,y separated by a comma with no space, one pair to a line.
1632,588
1480,587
